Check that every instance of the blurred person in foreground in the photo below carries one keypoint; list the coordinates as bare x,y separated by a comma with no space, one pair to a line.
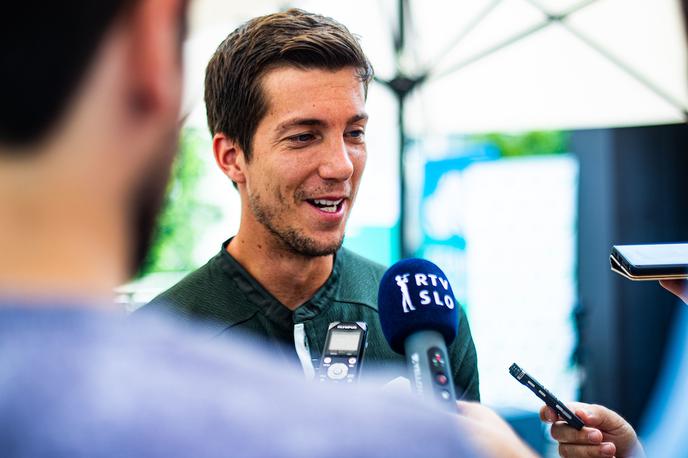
285,96
88,124
607,433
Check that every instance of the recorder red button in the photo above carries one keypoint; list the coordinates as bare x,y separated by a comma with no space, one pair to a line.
437,360
441,379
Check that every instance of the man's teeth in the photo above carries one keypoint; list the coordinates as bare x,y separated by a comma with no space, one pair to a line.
327,205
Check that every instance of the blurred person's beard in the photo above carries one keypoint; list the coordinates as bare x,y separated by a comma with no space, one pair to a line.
147,200
293,239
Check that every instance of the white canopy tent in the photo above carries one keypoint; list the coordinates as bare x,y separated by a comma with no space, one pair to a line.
489,65
558,64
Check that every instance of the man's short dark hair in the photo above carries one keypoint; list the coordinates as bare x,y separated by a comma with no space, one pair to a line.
234,98
46,49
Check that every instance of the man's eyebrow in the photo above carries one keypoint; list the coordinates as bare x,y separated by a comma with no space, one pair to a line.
296,122
358,117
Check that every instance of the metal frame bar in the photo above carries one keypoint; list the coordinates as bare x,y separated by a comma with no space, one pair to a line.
550,19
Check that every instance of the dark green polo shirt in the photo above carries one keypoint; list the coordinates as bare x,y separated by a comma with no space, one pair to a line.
223,292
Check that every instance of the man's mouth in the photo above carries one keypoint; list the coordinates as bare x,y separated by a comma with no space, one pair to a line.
326,205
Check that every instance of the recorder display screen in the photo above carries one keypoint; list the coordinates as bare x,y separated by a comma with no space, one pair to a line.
344,341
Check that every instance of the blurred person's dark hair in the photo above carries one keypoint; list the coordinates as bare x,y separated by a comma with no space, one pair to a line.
97,83
46,50
684,3
234,100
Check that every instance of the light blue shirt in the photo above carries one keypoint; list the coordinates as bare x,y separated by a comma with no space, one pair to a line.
79,383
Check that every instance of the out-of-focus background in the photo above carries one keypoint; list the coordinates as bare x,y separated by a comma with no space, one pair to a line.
512,142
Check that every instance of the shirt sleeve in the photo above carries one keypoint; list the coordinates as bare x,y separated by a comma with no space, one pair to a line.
465,362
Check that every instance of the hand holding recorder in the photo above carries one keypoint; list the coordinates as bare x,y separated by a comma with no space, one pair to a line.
605,434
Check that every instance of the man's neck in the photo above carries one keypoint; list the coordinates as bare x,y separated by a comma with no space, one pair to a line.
59,250
290,277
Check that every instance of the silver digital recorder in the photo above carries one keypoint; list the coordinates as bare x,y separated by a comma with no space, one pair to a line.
343,353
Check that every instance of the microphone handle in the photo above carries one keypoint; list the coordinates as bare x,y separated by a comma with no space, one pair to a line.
429,369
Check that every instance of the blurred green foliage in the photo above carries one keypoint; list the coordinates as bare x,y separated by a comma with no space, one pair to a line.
184,215
528,143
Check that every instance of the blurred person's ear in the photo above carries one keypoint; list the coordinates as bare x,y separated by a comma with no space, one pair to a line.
153,79
126,114
125,119
156,30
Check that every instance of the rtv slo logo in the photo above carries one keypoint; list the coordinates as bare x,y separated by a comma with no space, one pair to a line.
425,296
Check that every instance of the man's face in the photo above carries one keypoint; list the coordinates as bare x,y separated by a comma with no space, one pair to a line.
308,154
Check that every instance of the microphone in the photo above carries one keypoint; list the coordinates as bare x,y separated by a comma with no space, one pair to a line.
419,318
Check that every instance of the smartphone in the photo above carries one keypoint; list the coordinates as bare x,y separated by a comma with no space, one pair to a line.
667,261
541,392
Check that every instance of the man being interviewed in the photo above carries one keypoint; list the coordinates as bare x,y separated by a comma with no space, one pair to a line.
285,96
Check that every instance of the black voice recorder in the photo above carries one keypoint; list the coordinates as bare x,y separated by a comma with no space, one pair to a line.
343,353
551,400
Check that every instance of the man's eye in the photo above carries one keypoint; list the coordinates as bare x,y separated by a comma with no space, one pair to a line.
356,134
302,138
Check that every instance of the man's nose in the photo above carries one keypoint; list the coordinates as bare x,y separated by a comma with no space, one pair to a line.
336,163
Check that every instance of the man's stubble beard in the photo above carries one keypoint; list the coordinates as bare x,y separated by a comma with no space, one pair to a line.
147,199
292,239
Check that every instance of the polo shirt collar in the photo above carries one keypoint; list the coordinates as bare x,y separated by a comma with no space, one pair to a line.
265,303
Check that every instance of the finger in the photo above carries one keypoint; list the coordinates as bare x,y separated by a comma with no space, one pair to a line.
674,286
594,415
588,417
563,433
677,287
476,411
467,408
604,450
600,417
464,405
588,412
548,415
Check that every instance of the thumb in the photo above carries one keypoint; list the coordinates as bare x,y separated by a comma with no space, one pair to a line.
600,418
588,417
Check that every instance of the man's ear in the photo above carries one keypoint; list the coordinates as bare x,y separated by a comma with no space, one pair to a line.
230,158
156,28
